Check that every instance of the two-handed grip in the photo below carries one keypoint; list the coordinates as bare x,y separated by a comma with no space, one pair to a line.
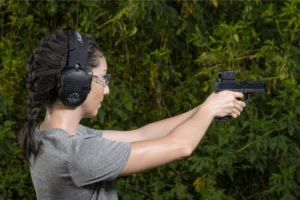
227,118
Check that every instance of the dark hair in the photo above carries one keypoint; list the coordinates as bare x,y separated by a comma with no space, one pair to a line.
44,65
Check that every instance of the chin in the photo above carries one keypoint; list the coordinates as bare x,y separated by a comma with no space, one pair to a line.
91,114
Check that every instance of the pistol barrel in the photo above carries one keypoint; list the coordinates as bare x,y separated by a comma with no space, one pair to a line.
241,86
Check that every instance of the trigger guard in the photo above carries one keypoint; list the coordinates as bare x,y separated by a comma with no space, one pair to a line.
247,98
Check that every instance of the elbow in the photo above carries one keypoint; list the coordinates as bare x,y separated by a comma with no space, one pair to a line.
181,148
187,151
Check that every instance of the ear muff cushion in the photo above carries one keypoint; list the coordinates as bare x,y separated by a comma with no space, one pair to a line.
75,86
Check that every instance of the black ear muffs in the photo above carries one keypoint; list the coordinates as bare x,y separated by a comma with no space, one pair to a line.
74,84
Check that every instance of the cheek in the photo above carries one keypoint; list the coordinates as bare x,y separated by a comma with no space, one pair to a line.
99,93
90,106
95,96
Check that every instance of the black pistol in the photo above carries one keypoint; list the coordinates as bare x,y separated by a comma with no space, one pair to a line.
226,81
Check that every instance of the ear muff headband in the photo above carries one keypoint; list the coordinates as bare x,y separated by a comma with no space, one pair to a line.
78,50
75,81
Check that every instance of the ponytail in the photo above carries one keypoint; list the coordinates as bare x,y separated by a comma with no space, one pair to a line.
44,65
26,139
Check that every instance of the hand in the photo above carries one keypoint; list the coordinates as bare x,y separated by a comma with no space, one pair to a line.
225,103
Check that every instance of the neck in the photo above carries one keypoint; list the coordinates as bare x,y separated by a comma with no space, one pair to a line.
63,118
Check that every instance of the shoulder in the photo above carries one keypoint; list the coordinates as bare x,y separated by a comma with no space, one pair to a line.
84,130
93,159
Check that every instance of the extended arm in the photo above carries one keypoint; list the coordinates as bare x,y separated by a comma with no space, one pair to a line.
183,139
151,131
178,144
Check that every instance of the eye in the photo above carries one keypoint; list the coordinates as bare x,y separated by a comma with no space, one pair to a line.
106,78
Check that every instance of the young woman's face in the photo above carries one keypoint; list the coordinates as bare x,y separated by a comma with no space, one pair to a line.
99,89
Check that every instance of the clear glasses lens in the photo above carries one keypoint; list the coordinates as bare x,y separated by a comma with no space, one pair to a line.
105,78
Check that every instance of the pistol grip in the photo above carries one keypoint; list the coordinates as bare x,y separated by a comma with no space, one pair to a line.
223,119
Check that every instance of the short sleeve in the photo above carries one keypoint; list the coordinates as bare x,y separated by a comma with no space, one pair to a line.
83,130
93,159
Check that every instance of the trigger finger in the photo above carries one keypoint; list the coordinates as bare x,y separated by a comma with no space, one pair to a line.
238,95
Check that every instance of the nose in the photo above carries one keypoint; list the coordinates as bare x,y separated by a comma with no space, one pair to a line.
106,90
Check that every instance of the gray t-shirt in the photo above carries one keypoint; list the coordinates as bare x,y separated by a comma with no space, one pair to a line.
82,166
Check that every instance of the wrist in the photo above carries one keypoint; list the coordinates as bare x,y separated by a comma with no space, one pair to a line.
207,110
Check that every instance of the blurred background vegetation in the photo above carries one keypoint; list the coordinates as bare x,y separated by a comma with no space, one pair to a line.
164,57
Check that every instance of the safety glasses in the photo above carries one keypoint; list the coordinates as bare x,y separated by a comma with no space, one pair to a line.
102,78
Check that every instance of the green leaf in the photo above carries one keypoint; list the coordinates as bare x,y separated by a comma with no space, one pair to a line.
8,123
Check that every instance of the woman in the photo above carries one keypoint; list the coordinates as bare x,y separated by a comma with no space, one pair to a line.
71,161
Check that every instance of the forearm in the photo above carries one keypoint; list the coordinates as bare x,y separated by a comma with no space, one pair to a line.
192,131
178,144
162,128
185,137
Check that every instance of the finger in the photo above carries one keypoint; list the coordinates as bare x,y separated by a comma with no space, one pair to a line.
241,103
236,112
238,107
233,115
238,95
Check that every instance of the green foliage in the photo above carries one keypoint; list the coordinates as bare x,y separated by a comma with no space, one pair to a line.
14,174
164,57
